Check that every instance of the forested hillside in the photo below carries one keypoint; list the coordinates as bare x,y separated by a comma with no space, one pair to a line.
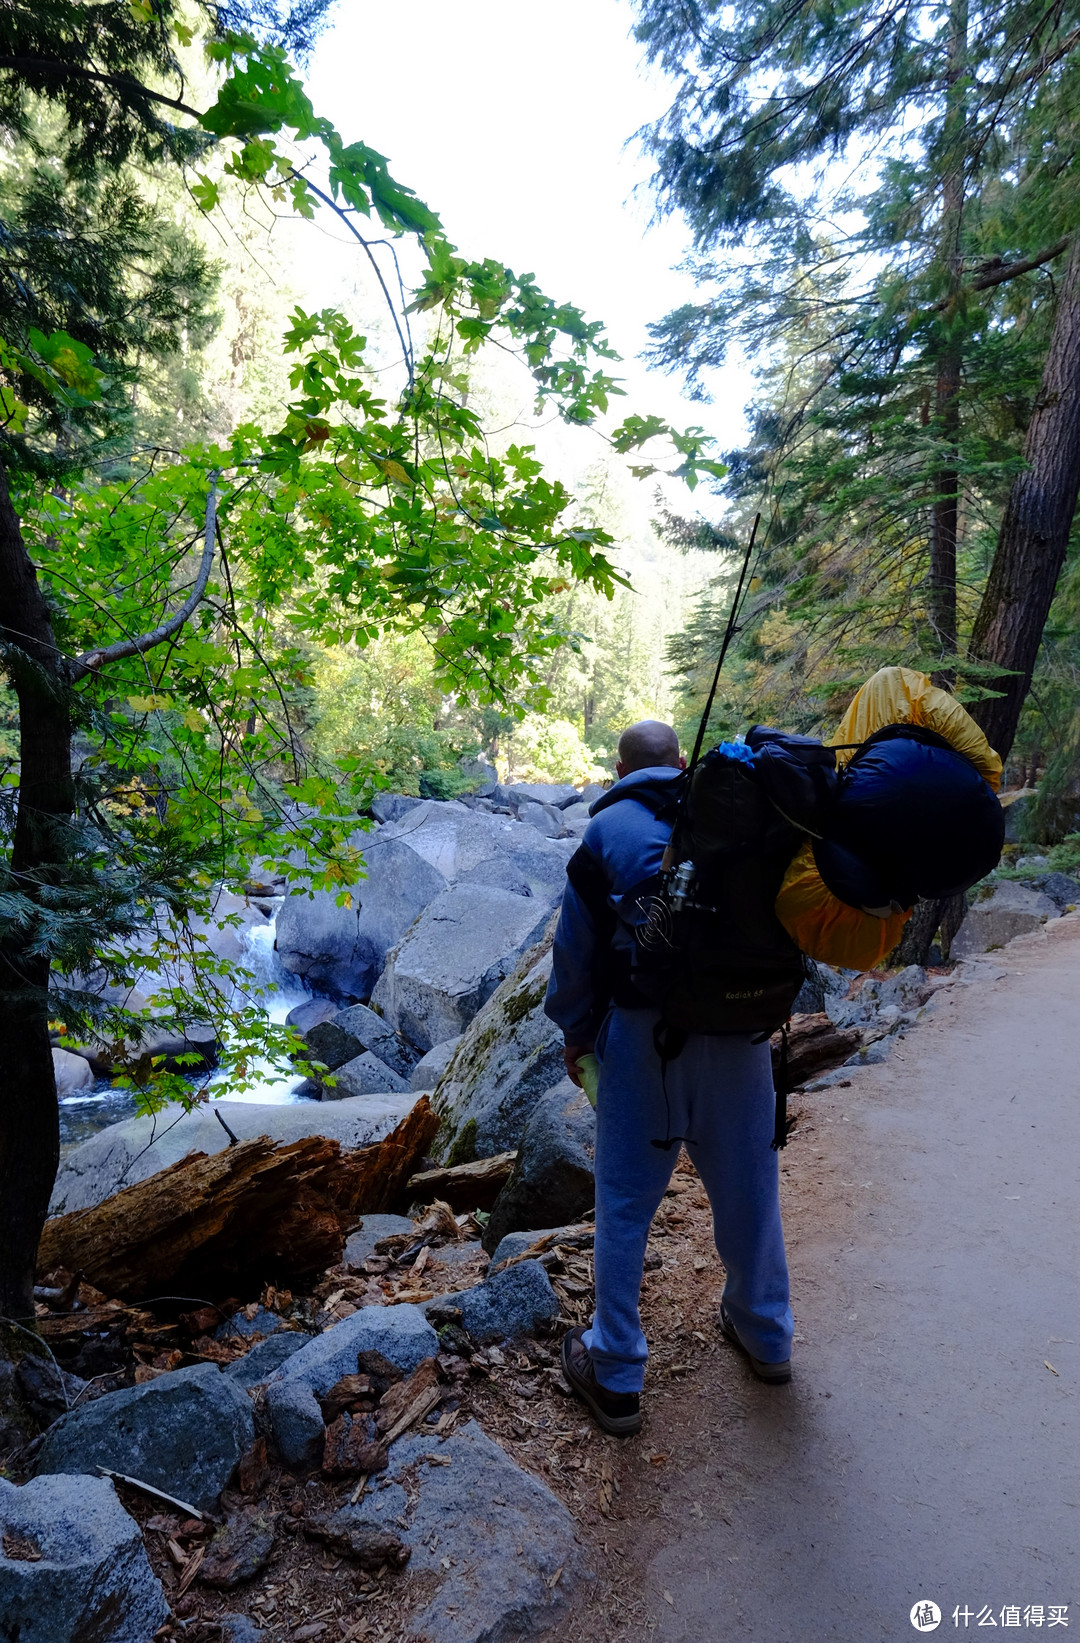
884,206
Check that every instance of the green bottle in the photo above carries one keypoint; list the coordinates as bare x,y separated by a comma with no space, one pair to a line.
589,1072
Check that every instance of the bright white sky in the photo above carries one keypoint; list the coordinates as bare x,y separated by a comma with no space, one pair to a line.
511,120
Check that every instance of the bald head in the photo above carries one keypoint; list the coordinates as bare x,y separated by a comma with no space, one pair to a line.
648,743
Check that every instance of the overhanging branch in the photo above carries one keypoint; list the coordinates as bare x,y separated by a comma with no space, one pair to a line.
52,68
91,660
1006,271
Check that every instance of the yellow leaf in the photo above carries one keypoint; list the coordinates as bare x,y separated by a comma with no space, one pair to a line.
394,470
194,719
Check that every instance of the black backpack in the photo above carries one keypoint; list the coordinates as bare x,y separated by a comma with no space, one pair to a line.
708,949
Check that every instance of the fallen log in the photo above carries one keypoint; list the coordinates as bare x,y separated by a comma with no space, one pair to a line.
464,1186
814,1047
371,1180
255,1210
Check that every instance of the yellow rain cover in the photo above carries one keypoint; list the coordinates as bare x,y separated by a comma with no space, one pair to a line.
822,925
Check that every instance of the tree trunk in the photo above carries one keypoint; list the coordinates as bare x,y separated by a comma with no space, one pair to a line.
29,1134
942,588
1034,534
945,914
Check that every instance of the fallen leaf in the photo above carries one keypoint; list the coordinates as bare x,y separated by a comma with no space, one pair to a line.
556,1577
669,1599
1051,1368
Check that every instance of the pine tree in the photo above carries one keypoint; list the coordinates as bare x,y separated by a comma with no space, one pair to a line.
881,198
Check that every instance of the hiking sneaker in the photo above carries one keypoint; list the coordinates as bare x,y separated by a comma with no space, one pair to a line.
617,1412
774,1374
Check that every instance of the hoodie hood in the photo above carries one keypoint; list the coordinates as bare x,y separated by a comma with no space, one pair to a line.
655,787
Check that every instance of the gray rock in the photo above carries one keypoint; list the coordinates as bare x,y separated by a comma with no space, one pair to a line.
1012,909
500,873
576,817
342,949
317,940
556,794
481,774
430,1068
390,807
92,1582
305,1016
871,1055
487,1539
457,1254
553,1182
265,1358
591,792
906,990
509,1057
1063,891
125,1153
544,817
1017,814
47,1390
364,1075
350,1032
516,1243
453,958
183,1432
72,1073
360,1244
296,1422
514,1302
264,1322
400,1333
239,1629
810,999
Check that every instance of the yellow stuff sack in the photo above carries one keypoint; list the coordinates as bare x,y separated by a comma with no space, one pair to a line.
823,926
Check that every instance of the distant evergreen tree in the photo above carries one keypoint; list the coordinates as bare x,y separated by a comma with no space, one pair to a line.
883,199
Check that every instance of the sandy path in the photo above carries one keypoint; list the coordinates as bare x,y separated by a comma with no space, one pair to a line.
924,1449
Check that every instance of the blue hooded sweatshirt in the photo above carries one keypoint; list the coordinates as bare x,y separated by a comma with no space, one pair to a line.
626,840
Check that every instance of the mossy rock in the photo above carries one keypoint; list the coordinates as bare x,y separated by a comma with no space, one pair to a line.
509,1056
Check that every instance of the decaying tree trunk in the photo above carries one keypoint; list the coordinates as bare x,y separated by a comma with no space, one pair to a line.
814,1046
1034,534
373,1179
465,1186
254,1210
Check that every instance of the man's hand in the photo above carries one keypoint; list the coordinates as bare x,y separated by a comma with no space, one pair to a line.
572,1054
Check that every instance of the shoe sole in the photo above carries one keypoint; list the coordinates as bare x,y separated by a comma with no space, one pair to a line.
773,1374
616,1426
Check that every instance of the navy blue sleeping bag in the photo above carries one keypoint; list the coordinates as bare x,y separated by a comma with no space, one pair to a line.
913,817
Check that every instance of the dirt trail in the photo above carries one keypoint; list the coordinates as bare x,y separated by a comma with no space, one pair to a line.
926,1448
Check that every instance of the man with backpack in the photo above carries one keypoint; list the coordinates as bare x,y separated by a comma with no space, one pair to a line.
657,1089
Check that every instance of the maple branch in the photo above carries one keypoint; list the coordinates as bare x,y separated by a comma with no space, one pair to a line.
91,660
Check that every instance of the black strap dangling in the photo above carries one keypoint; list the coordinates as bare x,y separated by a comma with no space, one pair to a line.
784,1124
668,1042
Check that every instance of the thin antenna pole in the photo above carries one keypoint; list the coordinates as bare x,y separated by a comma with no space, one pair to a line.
729,631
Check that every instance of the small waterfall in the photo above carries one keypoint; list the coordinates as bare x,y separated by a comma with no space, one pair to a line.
283,993
101,1105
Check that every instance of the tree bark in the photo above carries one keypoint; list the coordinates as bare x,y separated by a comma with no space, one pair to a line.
946,509
40,848
1034,534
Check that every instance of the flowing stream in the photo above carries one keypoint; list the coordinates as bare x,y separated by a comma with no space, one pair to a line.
99,1105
